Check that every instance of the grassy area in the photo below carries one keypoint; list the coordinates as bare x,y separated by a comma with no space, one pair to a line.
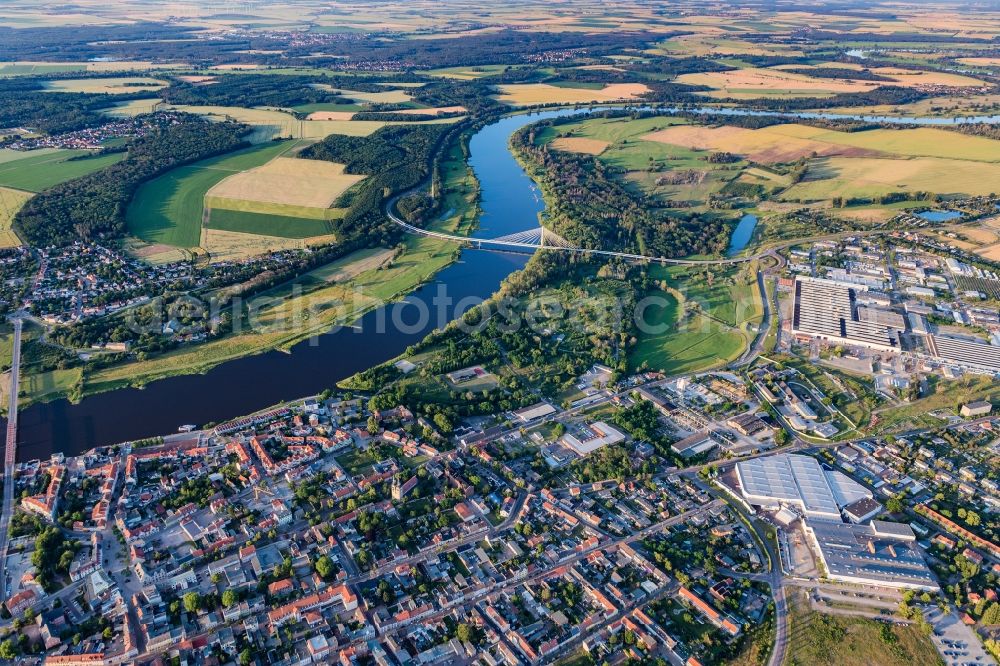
355,461
818,639
39,170
946,395
269,225
702,321
169,209
272,208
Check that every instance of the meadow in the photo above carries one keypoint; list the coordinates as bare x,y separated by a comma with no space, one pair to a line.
39,170
170,209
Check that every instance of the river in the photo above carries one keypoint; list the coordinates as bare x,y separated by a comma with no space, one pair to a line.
510,202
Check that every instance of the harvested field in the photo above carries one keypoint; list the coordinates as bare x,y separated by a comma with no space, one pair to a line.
330,115
233,245
111,86
981,62
11,201
522,94
153,253
765,146
754,79
991,252
848,177
575,144
288,180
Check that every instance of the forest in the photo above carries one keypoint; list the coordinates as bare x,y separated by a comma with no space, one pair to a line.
94,205
24,103
592,208
251,91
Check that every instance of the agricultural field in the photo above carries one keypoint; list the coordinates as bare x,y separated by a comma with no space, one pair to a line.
224,245
750,82
38,170
109,86
133,107
34,68
867,177
526,94
11,201
769,145
281,226
287,181
753,81
170,209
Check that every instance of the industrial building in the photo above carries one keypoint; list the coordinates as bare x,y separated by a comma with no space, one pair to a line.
797,486
830,310
879,553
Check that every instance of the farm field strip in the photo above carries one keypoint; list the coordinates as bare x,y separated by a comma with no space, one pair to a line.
169,209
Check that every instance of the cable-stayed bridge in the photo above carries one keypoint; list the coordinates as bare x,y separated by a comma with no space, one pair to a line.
540,238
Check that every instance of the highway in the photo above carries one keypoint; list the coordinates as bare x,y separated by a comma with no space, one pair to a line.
10,458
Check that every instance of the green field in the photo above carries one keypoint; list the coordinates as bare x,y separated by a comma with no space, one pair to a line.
282,226
169,209
271,208
39,170
698,325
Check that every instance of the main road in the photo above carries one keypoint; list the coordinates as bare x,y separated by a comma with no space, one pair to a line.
10,458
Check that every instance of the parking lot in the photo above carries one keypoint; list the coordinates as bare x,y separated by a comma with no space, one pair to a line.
957,643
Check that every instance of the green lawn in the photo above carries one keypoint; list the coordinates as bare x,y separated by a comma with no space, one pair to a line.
695,344
35,171
169,209
713,330
267,225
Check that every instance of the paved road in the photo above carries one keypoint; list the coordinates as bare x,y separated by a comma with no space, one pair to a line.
10,458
